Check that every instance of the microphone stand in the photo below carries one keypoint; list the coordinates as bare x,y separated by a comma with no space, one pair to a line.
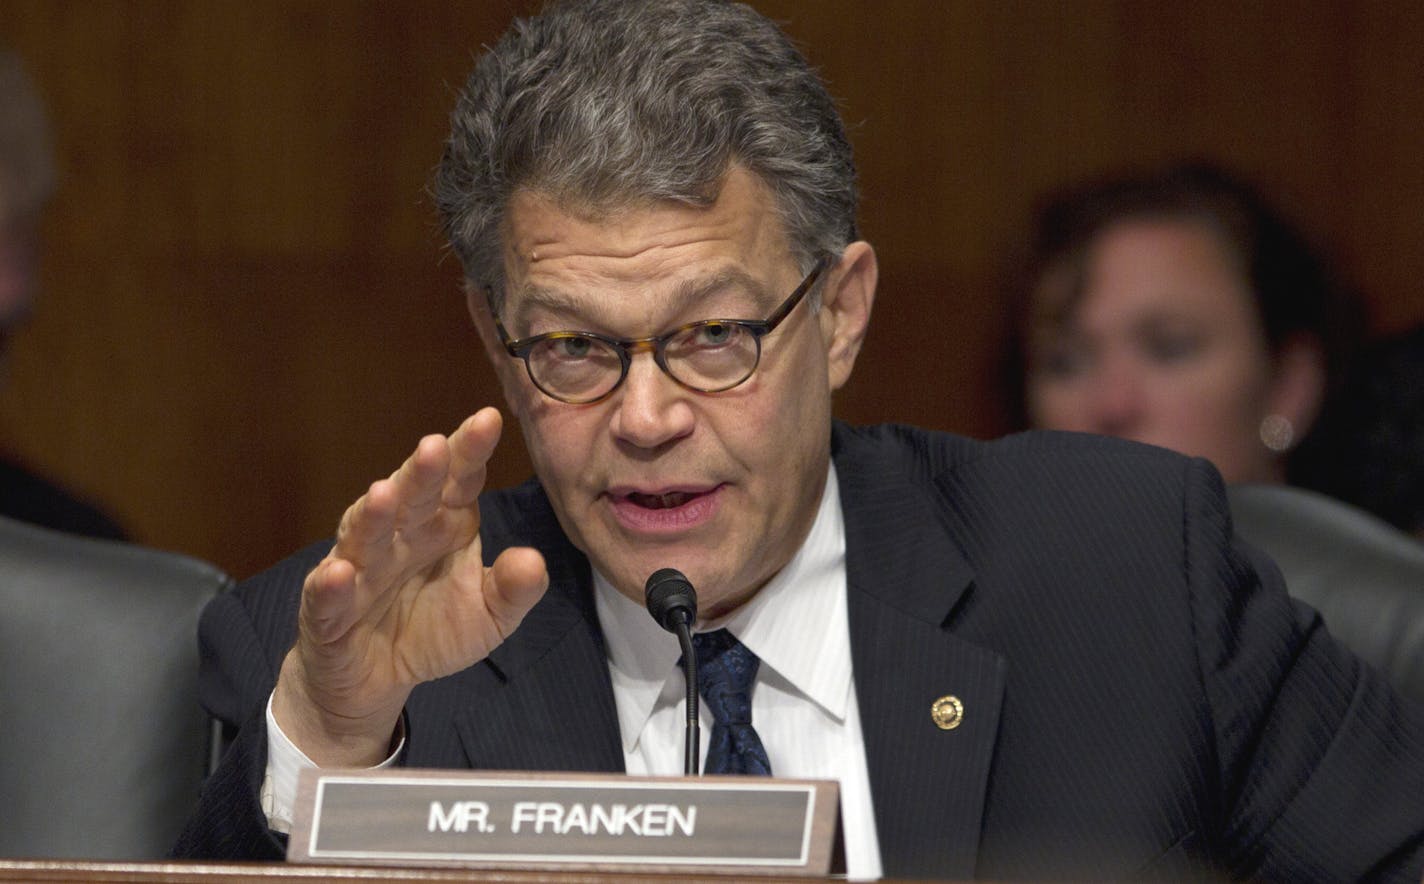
672,602
689,672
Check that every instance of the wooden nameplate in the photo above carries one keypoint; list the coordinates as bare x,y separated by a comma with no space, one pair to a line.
565,821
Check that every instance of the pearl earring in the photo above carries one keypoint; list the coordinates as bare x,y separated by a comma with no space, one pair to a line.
1277,433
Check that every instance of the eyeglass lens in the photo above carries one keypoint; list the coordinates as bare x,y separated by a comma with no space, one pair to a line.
708,357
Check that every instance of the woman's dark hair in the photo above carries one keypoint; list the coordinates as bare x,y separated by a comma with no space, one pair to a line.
1368,446
1296,293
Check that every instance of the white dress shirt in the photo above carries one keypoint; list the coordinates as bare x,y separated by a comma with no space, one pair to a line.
803,702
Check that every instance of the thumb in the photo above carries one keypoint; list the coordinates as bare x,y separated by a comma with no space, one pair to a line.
513,585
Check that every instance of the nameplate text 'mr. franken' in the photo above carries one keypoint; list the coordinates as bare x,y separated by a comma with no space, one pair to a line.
608,822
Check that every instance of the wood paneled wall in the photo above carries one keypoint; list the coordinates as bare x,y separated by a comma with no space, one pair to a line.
248,313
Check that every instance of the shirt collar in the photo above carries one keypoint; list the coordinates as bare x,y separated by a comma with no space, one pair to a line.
796,624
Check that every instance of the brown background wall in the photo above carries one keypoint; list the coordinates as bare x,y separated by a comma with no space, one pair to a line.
248,314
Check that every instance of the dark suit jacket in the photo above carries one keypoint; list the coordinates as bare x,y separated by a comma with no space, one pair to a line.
1140,696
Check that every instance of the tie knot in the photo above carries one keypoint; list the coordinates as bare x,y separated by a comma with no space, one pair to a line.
726,669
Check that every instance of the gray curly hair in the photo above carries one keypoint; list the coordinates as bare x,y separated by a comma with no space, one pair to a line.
606,105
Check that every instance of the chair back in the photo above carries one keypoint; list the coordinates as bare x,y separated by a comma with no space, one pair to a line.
103,745
1364,576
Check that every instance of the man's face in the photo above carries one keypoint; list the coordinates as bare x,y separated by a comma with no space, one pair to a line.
722,486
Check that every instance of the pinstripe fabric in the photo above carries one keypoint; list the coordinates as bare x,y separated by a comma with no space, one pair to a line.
1140,697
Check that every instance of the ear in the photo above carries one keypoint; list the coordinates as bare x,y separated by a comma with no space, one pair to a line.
508,370
846,299
1298,384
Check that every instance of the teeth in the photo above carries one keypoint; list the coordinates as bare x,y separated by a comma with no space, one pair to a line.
661,501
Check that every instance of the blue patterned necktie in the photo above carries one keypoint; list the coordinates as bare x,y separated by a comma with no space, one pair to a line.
725,672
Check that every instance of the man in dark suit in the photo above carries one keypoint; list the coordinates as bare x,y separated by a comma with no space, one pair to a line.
1038,657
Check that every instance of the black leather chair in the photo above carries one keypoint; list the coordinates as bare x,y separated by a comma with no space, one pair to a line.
103,745
1364,576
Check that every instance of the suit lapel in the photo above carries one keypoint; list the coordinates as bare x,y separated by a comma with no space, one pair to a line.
905,577
543,699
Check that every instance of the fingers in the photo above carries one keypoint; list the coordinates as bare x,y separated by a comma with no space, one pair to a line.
470,448
419,481
403,524
328,601
391,605
368,524
442,473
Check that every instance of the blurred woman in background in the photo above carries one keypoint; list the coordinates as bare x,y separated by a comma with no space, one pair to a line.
1176,308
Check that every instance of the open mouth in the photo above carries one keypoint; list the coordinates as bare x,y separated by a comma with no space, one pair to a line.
665,512
661,501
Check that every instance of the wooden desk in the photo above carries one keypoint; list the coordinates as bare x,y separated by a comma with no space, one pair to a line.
49,870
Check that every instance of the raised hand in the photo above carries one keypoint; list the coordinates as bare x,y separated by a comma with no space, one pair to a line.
402,598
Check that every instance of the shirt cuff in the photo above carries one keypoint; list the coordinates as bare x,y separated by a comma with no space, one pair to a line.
285,761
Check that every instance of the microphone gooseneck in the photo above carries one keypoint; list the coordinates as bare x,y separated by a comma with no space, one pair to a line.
673,603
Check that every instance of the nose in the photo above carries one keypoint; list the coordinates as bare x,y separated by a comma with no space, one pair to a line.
1116,405
651,409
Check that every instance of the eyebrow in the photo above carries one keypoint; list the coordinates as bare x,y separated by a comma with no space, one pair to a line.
582,306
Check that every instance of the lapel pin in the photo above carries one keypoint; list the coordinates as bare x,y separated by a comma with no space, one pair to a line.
947,712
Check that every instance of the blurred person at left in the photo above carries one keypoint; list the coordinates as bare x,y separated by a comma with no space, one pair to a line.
27,180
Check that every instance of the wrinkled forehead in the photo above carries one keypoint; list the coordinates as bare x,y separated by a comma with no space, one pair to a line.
695,286
554,252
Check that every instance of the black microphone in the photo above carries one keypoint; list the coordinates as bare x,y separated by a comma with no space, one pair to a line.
673,603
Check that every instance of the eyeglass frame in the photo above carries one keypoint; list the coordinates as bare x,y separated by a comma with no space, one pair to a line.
657,344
